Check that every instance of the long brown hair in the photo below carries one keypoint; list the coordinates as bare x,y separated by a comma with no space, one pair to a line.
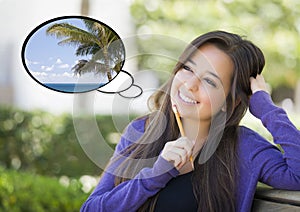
213,181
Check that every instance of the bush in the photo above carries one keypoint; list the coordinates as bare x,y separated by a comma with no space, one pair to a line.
46,144
28,192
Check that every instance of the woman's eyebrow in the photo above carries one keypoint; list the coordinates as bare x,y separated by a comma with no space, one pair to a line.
191,61
216,76
211,73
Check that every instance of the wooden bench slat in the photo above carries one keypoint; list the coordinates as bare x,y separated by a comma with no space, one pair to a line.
265,206
280,196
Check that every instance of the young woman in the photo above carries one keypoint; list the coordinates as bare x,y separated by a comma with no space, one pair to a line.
215,80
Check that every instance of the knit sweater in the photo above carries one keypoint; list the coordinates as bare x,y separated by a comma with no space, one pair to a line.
259,160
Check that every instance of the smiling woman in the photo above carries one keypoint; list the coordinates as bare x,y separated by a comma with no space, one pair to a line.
216,79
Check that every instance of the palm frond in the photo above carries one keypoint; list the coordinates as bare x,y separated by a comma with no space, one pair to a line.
69,41
65,30
89,25
86,66
77,68
86,49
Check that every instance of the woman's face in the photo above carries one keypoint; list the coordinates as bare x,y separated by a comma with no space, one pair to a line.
200,87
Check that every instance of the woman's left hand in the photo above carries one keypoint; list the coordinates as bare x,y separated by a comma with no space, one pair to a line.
258,84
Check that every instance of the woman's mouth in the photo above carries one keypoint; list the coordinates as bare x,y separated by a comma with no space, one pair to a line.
186,99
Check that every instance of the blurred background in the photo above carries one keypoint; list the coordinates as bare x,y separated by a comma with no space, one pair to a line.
43,167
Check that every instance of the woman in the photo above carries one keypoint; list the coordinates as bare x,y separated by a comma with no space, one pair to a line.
215,80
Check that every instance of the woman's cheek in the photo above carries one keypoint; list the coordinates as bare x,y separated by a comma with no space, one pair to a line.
214,101
181,76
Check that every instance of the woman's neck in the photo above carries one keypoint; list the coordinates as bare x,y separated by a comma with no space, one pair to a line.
197,131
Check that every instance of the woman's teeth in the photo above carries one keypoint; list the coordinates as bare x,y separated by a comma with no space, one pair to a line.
187,99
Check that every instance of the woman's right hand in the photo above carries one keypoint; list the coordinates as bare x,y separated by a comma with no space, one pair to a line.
178,152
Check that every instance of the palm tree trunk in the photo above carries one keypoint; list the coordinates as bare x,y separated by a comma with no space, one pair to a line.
106,62
109,76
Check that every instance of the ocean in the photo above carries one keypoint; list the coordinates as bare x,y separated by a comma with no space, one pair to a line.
73,87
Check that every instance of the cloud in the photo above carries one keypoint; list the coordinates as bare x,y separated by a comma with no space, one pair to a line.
66,74
47,68
39,74
64,66
58,61
30,62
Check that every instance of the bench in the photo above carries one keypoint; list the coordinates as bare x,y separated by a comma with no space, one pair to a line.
269,199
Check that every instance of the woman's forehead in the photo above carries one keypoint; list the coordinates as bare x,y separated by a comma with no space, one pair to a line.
210,58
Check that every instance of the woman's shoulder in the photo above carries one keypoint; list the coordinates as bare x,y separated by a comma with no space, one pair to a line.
251,143
137,125
250,140
244,132
135,129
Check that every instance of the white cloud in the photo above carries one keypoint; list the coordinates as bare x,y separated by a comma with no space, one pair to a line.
66,77
38,74
66,74
30,62
47,68
58,61
64,66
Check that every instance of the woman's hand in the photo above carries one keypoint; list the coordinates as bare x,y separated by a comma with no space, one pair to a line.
258,84
178,151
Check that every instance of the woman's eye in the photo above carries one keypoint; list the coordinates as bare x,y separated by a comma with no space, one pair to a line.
210,82
187,68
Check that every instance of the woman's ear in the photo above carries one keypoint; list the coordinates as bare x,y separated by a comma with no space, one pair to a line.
223,109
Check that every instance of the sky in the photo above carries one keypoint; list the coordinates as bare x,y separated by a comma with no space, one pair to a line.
49,62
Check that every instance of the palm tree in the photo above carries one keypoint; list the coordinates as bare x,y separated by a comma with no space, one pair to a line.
99,41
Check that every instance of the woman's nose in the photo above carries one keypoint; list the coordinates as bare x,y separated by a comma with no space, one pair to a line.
193,83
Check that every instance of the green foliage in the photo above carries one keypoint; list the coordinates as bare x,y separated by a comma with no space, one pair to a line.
29,192
271,24
46,144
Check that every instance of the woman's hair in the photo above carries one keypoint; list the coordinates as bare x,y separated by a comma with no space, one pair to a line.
214,182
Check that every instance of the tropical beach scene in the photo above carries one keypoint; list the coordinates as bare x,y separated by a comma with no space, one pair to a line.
71,54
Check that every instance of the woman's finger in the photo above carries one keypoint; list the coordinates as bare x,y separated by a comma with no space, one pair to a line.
185,143
258,84
177,152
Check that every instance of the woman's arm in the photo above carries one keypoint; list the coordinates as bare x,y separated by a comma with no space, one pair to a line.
129,195
280,170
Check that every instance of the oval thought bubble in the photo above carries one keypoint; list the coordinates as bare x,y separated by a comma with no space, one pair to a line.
73,54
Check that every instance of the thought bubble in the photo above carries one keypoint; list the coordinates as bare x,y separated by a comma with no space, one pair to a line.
123,85
73,54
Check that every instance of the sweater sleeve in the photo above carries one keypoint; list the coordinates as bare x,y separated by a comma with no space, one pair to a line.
131,194
277,169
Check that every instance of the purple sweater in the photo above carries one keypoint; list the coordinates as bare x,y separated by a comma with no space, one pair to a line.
258,161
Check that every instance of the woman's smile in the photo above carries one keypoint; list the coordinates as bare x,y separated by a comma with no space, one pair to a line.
186,99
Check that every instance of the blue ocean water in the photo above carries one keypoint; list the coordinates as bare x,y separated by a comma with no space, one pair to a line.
73,87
